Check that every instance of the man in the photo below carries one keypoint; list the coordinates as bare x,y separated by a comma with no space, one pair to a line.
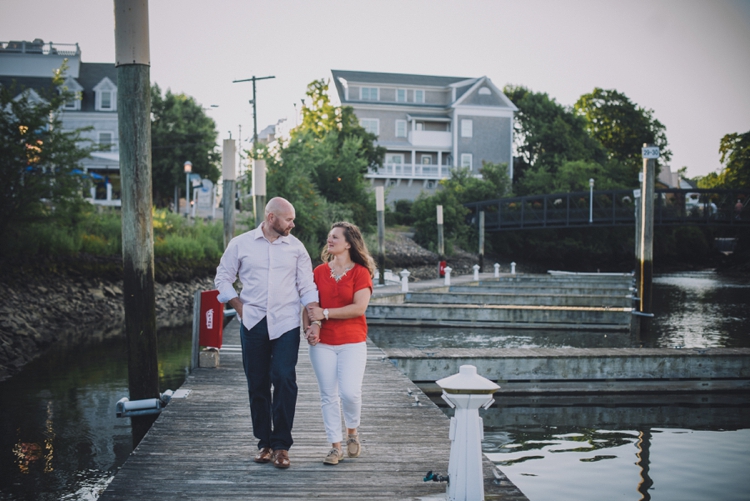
276,274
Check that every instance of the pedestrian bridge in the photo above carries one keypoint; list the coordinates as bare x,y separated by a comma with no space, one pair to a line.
613,208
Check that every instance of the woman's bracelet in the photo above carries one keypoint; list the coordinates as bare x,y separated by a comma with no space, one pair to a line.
317,322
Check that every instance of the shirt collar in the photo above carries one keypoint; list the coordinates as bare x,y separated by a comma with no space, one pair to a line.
259,234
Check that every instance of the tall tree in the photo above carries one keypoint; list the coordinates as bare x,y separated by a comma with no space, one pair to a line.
547,135
180,131
735,154
39,158
622,127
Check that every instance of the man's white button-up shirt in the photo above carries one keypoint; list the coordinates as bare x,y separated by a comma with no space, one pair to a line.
276,276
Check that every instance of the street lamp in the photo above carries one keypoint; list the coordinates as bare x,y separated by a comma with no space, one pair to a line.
188,170
591,200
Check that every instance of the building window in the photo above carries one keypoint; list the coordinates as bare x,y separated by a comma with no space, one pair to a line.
466,160
426,160
105,140
369,93
467,126
105,100
401,95
74,103
371,125
400,128
430,185
419,96
420,125
485,91
394,158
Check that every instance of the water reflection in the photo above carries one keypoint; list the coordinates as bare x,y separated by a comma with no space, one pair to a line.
59,437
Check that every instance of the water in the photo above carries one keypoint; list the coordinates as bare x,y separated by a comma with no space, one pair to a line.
60,439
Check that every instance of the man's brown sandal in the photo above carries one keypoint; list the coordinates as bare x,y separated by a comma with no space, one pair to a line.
264,455
281,459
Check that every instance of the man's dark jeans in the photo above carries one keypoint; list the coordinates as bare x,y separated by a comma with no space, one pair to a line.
270,362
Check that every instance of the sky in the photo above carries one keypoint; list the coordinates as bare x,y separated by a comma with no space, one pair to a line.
687,60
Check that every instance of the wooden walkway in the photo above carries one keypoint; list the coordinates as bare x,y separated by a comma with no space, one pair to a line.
201,447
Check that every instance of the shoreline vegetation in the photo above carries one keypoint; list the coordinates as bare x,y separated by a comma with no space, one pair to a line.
61,281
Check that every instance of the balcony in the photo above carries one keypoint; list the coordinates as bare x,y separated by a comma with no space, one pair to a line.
431,139
411,171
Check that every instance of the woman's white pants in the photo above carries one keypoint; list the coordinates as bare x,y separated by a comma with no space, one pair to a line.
340,370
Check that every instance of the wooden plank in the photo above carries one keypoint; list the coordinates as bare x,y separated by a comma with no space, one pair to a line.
201,447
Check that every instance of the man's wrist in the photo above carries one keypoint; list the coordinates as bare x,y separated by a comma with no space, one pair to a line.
317,322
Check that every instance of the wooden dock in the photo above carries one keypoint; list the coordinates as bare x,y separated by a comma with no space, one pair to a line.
201,447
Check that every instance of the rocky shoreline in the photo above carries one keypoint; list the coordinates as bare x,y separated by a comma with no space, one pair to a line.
41,310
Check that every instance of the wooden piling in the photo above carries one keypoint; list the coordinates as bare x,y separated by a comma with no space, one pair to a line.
134,122
646,260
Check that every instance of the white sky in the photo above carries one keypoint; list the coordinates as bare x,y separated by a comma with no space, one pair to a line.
688,60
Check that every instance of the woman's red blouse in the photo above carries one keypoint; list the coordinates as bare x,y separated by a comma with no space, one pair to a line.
339,294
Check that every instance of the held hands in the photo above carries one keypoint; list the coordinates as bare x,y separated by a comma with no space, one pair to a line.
312,334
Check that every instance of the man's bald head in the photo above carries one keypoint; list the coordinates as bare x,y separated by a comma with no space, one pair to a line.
279,216
278,205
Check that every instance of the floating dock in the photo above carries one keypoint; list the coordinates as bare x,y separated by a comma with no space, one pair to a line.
201,447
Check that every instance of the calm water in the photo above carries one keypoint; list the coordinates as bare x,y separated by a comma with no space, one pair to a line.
60,439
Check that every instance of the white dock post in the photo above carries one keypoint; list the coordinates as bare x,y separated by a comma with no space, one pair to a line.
513,268
476,271
448,270
497,270
404,280
466,392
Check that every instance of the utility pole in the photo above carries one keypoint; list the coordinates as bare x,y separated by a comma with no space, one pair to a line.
133,63
253,102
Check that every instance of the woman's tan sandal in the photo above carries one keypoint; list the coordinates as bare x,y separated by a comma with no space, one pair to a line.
334,456
353,447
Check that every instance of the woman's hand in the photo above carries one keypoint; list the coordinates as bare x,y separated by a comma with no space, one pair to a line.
315,312
312,334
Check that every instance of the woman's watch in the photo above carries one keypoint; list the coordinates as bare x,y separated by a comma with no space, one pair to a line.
325,313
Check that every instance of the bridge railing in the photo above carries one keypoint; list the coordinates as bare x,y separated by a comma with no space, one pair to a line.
613,208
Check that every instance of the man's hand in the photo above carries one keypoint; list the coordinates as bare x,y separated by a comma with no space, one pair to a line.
312,334
237,305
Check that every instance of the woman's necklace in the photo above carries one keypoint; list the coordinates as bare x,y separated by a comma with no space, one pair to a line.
342,275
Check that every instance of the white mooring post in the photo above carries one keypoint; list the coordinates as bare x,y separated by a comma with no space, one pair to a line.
497,270
466,392
476,271
513,268
448,270
404,280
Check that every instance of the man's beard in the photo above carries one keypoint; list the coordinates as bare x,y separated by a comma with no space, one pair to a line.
281,231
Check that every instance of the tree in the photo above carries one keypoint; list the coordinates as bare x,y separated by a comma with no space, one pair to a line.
622,128
735,151
320,168
460,188
180,131
39,158
547,135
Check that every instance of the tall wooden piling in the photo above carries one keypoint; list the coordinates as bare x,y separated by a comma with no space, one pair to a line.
380,208
134,122
228,172
259,190
481,241
645,257
441,242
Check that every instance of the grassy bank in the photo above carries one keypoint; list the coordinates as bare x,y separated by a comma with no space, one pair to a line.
89,242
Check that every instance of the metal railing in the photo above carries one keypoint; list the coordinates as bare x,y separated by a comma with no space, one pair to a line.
39,47
421,171
614,208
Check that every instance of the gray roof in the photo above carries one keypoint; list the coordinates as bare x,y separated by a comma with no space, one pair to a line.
392,79
89,76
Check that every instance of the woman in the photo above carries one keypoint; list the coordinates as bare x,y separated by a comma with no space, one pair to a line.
338,350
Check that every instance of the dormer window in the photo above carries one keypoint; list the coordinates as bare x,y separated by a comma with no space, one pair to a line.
106,95
71,85
485,91
419,96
